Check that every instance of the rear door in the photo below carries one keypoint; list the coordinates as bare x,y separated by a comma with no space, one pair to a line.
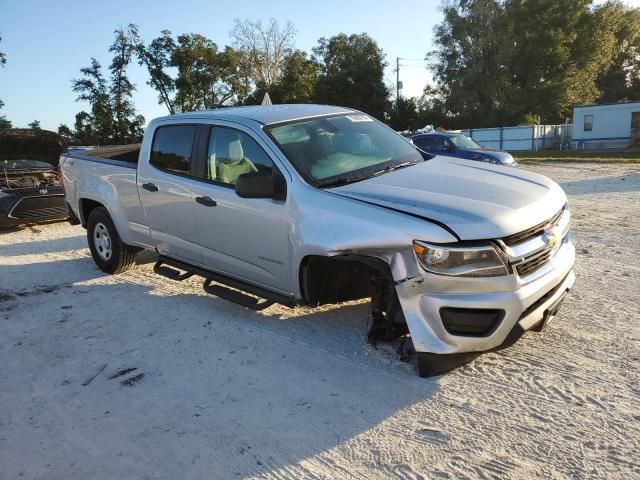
246,238
165,184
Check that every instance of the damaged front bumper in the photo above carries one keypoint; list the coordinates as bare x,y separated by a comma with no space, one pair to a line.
449,315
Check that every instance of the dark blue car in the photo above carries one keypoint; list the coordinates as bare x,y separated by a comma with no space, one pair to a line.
460,146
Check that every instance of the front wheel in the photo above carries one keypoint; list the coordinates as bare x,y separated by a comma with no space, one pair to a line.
109,252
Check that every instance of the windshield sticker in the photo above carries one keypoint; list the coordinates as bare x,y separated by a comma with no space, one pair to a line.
359,118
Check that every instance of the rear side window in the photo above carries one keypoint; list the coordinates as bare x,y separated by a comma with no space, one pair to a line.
171,149
588,123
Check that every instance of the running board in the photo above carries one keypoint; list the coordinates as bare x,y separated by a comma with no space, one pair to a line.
218,290
235,296
170,273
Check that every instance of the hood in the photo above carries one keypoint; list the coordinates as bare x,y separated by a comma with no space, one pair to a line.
30,145
476,200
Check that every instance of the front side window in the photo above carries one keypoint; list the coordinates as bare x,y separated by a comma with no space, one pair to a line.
588,123
171,149
635,120
464,143
328,151
232,153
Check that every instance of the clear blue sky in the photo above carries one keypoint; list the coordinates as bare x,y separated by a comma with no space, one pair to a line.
47,42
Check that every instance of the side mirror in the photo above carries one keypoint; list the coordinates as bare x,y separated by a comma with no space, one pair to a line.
255,185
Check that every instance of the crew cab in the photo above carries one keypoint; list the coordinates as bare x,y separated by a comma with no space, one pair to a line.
311,204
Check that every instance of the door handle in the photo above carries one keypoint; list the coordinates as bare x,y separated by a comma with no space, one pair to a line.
206,201
150,186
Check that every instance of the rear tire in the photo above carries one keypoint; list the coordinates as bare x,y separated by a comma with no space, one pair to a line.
108,250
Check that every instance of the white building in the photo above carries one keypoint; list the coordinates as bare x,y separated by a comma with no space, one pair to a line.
605,126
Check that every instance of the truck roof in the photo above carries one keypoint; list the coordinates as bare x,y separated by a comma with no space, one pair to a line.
265,114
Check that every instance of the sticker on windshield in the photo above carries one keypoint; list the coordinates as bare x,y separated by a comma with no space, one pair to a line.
359,118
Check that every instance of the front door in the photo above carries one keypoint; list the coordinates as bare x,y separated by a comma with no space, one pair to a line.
242,237
165,187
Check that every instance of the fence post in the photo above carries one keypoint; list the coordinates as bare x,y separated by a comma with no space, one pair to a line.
533,137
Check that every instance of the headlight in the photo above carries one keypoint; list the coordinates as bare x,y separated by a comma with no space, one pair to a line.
472,261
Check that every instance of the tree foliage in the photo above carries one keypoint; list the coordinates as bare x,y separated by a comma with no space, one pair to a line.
296,85
500,62
35,125
207,77
112,119
352,73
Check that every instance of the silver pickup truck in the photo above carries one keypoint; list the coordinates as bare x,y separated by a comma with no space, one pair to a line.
310,204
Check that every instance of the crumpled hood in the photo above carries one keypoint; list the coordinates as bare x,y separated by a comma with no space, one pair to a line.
27,144
475,200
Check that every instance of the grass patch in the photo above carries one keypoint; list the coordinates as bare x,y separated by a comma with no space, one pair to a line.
626,155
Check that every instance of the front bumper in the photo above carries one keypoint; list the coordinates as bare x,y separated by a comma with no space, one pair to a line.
524,301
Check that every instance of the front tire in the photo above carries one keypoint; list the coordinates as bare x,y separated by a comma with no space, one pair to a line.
108,250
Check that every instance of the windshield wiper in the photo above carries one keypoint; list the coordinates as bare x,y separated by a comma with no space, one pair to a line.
391,168
341,181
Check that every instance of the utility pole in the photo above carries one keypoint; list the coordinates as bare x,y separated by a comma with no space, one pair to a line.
398,85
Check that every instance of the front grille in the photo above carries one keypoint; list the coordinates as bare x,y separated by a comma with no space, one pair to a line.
32,208
530,265
532,232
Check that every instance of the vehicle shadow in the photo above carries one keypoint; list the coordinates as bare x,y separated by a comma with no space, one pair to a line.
618,184
44,246
226,389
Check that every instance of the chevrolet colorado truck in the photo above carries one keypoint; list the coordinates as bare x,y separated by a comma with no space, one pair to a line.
310,204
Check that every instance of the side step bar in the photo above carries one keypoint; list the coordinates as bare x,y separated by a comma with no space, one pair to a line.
218,290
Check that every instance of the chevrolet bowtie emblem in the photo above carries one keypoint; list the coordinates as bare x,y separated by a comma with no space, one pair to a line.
551,236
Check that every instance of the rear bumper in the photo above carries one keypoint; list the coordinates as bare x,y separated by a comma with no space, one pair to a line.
19,207
523,303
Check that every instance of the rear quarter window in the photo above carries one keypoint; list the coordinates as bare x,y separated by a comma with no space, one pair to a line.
172,147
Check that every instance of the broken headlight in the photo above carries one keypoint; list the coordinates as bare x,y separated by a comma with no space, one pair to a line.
468,261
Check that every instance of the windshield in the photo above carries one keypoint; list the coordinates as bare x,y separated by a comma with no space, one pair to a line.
464,143
328,151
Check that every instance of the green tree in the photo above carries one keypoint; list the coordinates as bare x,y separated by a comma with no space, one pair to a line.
35,125
621,80
206,76
93,88
65,131
156,57
4,123
403,114
297,83
127,126
83,129
499,62
352,73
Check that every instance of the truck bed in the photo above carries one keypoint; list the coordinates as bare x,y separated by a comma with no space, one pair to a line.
123,155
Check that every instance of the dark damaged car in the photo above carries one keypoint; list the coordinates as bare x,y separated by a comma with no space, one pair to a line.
30,189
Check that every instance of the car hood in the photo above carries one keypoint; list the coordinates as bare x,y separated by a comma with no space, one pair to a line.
27,144
475,200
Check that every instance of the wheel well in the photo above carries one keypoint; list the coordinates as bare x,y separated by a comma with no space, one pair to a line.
340,278
86,207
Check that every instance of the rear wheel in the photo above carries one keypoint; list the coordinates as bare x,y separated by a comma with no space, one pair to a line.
109,252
